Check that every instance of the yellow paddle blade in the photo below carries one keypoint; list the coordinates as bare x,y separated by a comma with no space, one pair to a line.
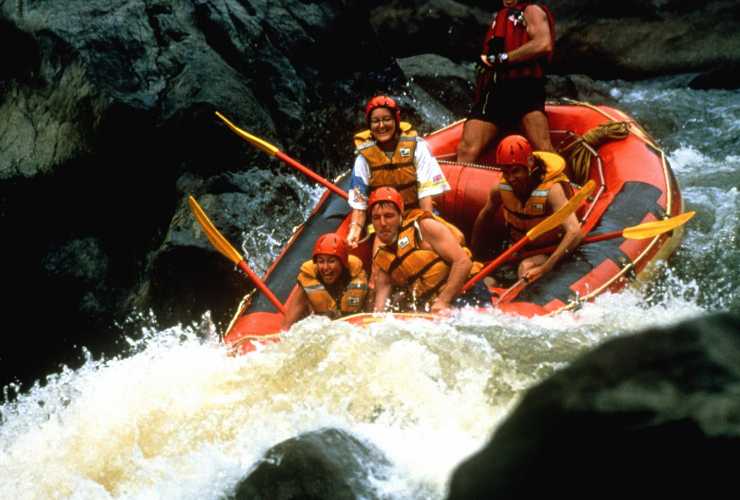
654,228
262,144
559,216
216,238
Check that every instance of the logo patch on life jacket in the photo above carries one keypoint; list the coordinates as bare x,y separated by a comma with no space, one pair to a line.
404,152
402,242
354,301
538,206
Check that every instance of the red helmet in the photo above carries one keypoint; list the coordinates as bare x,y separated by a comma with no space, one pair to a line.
385,193
513,150
383,101
332,244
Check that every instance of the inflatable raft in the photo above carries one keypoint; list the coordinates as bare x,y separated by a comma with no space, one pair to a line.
634,185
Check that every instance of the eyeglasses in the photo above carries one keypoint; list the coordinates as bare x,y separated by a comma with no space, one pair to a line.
385,119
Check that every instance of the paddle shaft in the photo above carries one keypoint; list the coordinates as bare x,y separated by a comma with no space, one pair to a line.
272,150
242,264
313,175
594,238
588,239
495,263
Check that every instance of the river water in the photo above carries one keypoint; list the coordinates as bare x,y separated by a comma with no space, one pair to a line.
177,417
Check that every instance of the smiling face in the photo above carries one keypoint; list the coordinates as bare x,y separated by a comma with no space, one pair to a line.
510,3
382,125
330,268
519,179
386,221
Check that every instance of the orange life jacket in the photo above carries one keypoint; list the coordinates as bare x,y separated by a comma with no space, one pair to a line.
422,273
322,302
398,171
521,217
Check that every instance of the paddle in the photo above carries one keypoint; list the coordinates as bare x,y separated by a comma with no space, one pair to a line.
272,150
546,225
228,251
638,232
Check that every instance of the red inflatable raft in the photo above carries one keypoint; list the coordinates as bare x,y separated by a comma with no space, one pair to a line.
634,185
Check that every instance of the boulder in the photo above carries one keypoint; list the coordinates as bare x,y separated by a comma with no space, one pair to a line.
653,414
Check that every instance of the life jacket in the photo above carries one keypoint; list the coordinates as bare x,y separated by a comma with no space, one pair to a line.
422,273
398,171
322,302
508,32
519,217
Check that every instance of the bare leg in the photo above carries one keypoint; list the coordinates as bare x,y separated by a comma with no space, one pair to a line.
475,137
537,129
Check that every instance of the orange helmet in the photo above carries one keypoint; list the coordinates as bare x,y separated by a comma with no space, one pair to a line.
332,244
383,101
513,150
385,193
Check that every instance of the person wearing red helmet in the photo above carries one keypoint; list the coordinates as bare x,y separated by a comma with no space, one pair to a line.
510,88
533,187
333,283
422,255
389,153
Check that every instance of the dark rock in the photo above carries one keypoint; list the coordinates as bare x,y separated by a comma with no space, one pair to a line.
725,76
444,27
654,414
324,465
450,84
579,88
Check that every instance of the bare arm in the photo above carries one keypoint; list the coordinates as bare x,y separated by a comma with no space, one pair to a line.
441,240
382,289
570,240
483,221
357,222
538,29
296,307
540,43
426,203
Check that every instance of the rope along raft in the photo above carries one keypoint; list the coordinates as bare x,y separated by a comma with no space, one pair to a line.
581,150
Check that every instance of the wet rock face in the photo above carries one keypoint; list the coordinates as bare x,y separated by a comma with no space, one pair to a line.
324,465
653,414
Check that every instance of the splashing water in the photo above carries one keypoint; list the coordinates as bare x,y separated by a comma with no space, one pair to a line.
181,418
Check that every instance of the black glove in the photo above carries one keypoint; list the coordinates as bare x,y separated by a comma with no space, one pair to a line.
499,59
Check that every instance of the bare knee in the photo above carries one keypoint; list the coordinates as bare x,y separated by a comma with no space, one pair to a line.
467,151
475,136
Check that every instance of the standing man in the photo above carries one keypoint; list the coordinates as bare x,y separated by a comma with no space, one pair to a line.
533,188
510,89
421,254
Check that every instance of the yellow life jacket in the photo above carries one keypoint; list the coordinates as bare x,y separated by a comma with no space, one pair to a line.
322,302
398,171
521,217
421,272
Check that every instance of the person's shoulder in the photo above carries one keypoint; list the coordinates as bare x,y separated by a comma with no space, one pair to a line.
535,9
308,267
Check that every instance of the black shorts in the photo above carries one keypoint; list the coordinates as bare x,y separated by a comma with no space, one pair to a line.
507,101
